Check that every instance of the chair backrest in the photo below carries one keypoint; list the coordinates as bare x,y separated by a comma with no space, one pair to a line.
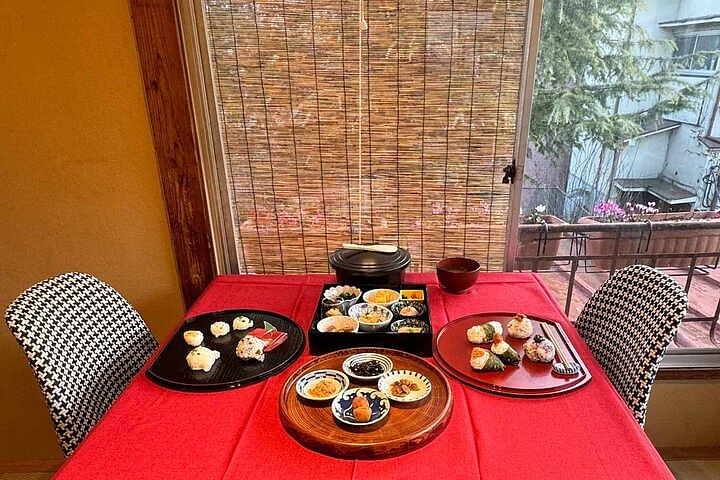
84,342
628,324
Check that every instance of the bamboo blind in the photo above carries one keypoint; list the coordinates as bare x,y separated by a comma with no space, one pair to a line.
440,87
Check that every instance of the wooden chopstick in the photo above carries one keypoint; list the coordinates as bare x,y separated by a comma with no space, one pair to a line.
551,337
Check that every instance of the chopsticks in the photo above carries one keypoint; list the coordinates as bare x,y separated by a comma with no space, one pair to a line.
372,248
551,337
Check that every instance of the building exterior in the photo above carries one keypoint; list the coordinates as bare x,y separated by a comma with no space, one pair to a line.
675,163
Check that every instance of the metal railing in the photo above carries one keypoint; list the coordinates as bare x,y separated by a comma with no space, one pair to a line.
622,244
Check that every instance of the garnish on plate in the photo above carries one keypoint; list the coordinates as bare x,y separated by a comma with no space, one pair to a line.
242,323
368,368
504,351
218,329
251,348
403,387
202,358
412,295
485,361
271,336
193,337
324,387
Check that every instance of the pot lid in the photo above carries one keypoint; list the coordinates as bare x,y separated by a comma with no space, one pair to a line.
369,263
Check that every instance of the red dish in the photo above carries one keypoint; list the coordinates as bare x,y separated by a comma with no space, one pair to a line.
529,379
273,338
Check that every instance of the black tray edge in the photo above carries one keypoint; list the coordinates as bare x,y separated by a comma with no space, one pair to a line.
199,388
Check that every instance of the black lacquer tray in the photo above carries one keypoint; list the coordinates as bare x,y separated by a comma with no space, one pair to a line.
416,343
170,368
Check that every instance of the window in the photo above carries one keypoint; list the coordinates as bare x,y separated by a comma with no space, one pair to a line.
697,44
603,135
399,138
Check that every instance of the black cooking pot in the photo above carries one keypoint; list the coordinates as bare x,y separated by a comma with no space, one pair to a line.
360,267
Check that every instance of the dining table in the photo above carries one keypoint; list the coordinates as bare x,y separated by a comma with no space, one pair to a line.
152,432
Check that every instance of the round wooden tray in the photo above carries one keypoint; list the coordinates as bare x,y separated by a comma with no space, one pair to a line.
406,427
529,379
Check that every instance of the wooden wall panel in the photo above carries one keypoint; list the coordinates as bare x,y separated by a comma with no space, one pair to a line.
169,108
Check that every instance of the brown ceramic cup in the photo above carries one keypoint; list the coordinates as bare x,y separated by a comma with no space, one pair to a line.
457,274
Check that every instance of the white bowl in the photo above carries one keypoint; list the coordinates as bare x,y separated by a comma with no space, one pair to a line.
359,309
369,294
331,324
386,363
307,381
385,385
333,292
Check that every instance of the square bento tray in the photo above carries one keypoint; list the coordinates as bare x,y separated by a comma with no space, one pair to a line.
417,343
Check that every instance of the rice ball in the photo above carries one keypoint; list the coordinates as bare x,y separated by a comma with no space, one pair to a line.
193,337
218,329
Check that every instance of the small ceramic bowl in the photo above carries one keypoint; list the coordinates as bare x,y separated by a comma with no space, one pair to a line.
343,411
457,274
398,307
409,325
338,324
424,387
308,381
357,311
334,292
381,296
354,360
417,295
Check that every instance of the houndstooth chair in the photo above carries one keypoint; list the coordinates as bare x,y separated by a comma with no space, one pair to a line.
84,342
628,324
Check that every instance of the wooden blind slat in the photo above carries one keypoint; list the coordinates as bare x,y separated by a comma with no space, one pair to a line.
440,90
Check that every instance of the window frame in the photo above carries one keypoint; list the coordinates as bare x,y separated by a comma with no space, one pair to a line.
694,72
166,62
192,31
200,81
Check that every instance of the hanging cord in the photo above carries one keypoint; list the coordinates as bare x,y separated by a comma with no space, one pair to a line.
362,25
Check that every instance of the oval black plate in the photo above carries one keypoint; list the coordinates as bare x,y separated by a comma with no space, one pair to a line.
170,368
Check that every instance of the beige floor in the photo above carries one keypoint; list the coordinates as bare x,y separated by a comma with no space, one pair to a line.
682,469
692,469
26,476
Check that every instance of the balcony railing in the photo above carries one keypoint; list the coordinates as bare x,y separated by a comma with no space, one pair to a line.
585,253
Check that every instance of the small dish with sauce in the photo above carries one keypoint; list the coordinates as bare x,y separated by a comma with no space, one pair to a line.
405,386
320,385
410,325
338,323
372,318
381,296
367,366
406,309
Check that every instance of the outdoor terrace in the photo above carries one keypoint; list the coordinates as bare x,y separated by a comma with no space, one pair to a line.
571,262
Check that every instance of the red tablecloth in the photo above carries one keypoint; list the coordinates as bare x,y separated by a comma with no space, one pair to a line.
152,432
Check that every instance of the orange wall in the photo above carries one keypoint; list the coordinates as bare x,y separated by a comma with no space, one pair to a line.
79,182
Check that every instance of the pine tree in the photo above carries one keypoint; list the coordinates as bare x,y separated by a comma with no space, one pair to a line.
591,55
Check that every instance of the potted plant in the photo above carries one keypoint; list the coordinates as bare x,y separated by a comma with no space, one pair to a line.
537,244
685,240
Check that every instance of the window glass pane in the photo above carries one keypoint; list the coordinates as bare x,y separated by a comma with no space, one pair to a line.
421,165
684,46
617,131
708,43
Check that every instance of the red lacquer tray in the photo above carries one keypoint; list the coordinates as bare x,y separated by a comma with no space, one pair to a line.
452,353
